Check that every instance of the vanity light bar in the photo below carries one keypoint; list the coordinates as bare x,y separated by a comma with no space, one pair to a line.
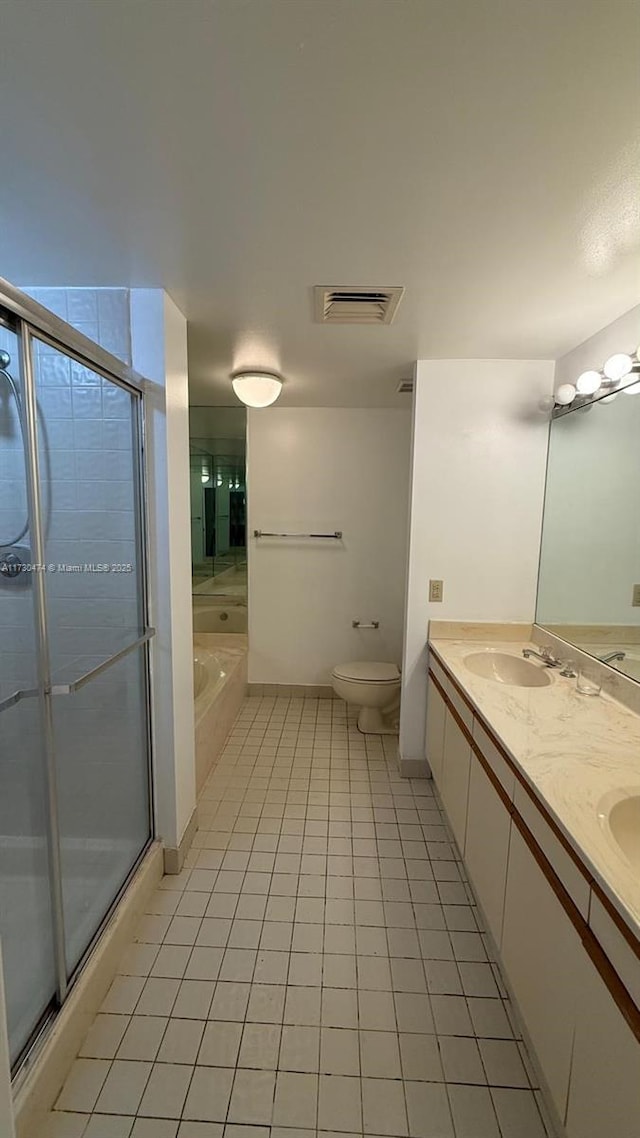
590,384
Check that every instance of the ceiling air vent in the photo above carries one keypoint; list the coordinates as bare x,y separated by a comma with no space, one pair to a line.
405,387
356,305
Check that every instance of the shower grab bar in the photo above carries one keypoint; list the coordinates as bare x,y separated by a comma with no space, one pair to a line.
359,624
335,536
69,689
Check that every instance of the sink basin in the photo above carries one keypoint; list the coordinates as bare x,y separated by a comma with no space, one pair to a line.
505,669
624,823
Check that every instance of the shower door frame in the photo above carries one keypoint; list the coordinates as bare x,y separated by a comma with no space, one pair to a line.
29,320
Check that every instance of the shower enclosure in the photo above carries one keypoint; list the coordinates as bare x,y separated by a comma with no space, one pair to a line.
75,787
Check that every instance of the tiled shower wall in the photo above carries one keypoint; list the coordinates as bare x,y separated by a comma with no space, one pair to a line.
102,314
86,470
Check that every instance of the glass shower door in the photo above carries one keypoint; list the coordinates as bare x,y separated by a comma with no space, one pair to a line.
26,917
91,518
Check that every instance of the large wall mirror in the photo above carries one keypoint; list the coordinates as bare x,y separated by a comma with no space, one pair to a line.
217,450
589,581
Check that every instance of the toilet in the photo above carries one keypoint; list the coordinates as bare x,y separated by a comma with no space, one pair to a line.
375,689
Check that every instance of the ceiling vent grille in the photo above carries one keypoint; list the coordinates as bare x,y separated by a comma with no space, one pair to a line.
334,305
405,387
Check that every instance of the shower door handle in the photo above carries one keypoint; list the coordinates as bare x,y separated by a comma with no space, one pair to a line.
69,689
24,693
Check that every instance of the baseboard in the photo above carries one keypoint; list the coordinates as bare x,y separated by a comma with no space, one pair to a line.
293,691
413,768
174,858
41,1082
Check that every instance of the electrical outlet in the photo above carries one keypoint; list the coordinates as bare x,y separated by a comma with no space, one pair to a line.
635,596
436,590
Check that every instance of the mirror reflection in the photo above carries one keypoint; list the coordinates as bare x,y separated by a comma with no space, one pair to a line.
589,580
217,448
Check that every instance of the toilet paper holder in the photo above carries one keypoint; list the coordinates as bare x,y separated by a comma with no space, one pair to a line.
359,624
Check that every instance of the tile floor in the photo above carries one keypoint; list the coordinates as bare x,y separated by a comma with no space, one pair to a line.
318,967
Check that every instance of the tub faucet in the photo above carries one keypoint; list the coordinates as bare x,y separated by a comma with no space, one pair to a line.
545,655
612,656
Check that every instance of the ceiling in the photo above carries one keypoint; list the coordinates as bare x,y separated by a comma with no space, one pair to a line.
238,152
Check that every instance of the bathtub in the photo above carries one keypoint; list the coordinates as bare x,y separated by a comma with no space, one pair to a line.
210,670
220,615
219,687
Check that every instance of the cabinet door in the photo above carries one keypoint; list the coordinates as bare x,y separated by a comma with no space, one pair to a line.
487,846
455,778
434,740
540,952
604,1092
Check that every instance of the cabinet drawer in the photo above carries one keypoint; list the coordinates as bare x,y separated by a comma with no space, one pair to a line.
494,759
571,877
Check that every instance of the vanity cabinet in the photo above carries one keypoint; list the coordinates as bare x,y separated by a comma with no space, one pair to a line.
539,950
604,1092
434,740
454,782
571,964
487,846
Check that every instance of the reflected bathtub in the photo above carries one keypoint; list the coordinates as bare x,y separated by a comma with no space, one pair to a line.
219,686
219,615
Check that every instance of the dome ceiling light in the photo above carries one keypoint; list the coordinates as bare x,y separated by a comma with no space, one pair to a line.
256,388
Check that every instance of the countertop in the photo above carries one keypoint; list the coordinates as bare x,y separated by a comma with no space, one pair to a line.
578,753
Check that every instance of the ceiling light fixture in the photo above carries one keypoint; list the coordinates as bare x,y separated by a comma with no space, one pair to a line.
256,388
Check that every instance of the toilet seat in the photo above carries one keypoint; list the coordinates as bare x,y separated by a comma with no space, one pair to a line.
368,672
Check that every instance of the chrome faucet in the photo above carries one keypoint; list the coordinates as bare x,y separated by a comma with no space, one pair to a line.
545,655
612,656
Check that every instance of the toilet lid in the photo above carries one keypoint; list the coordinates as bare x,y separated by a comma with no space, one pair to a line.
366,672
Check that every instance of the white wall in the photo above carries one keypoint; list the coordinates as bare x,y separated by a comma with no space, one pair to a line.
479,454
159,348
320,470
623,335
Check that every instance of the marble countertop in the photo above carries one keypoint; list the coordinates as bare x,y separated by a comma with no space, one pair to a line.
578,753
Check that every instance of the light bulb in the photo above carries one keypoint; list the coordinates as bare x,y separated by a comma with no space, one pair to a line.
588,382
634,389
618,366
609,398
565,394
204,478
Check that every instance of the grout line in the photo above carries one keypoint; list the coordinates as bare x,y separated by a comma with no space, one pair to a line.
279,783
